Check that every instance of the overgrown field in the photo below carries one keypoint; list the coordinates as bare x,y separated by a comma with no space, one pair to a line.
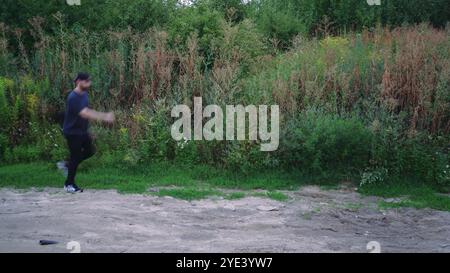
370,107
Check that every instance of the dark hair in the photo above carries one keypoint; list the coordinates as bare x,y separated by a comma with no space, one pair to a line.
81,76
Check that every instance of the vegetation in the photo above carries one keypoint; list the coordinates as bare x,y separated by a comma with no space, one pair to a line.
181,181
194,182
364,91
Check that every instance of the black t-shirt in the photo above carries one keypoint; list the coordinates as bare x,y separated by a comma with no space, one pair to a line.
74,124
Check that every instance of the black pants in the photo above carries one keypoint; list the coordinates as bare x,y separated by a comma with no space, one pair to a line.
81,148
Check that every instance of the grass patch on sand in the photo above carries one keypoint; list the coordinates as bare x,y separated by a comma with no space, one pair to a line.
196,182
412,194
189,183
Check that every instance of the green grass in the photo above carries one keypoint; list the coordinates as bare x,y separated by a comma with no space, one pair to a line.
279,196
137,179
196,182
413,194
188,193
235,195
190,182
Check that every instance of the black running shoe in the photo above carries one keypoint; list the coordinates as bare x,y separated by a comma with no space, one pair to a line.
72,188
77,189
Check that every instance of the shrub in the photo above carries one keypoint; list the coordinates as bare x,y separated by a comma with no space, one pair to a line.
23,154
246,157
5,109
4,144
197,19
316,142
371,177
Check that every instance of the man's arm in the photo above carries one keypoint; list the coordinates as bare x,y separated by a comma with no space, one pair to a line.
90,114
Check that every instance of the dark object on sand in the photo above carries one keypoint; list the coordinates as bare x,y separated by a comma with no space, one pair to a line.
47,242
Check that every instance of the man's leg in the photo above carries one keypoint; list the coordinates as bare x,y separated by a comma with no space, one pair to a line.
76,155
88,147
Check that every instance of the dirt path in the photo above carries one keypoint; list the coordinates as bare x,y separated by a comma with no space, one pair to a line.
311,221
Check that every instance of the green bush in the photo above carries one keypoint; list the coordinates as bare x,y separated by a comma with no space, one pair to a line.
316,142
5,109
4,144
199,19
20,154
246,157
396,155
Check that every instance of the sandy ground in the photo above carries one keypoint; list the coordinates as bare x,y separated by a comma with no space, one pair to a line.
313,220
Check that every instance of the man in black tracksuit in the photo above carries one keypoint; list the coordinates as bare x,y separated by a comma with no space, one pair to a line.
75,128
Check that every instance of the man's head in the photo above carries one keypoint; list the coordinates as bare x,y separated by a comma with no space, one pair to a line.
83,81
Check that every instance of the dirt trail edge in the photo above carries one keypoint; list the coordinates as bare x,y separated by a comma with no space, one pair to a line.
313,220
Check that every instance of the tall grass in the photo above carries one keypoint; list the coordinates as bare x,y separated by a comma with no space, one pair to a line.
392,86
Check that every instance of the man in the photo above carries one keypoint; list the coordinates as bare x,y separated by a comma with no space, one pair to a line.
75,129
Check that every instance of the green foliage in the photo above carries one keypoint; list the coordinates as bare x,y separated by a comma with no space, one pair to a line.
395,156
275,19
188,193
241,40
233,10
372,103
279,20
138,14
198,19
4,144
376,176
319,142
285,19
5,114
279,196
409,193
246,157
98,15
23,154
